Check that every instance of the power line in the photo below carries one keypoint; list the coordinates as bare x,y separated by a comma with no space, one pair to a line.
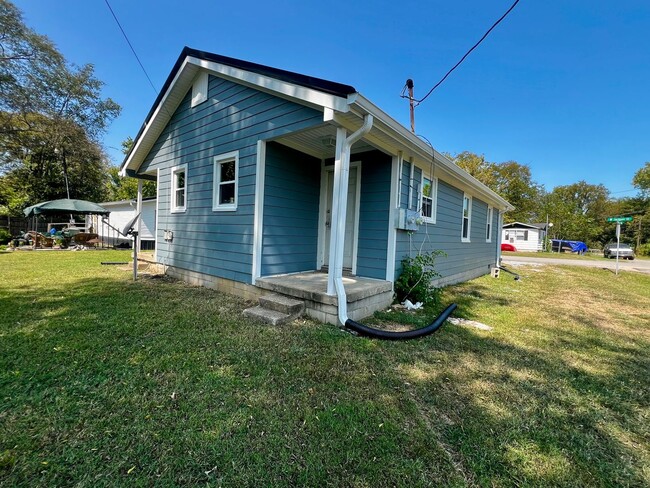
131,46
466,54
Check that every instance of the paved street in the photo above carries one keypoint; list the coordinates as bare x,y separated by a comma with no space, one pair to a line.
639,265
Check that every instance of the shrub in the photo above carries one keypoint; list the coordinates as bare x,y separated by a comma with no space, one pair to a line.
415,280
5,236
644,249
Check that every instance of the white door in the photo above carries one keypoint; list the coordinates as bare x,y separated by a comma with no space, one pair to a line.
350,218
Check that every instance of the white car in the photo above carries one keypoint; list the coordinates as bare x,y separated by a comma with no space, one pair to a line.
624,251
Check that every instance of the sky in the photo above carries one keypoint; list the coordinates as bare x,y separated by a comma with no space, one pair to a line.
561,86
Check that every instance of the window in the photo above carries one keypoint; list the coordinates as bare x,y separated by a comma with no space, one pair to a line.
467,218
226,168
522,235
429,196
488,225
179,186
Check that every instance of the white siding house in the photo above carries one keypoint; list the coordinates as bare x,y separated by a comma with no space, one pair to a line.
525,237
121,213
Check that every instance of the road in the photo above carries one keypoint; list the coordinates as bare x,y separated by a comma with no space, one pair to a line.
639,265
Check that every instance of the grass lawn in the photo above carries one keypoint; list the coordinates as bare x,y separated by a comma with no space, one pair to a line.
107,382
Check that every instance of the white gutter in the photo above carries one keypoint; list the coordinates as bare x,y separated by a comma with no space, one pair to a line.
339,211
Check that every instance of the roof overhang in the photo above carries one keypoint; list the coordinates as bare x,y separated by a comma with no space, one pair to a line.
341,105
314,92
391,136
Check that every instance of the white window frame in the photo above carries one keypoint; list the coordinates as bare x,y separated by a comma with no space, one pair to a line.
218,161
173,208
433,198
469,218
488,224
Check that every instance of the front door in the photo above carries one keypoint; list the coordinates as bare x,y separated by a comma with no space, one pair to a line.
351,218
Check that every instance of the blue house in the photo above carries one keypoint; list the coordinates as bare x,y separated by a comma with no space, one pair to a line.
273,180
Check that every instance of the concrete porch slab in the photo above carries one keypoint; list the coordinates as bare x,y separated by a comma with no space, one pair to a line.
364,295
313,286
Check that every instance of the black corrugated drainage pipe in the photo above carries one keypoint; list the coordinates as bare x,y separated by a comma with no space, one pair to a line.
517,277
401,336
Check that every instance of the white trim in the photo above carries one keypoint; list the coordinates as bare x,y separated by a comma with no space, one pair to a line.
469,218
273,85
232,156
149,125
500,227
404,137
409,202
489,224
199,89
395,192
399,182
258,222
326,173
357,203
172,197
155,231
322,209
433,197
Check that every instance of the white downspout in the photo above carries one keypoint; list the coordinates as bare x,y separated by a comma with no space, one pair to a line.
339,211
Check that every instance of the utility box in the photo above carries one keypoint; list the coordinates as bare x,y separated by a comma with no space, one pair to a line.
408,219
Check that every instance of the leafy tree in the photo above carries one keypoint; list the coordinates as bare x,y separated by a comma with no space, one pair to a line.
122,188
52,116
578,212
641,180
512,180
476,166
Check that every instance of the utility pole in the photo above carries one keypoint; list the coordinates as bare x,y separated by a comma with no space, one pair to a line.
409,85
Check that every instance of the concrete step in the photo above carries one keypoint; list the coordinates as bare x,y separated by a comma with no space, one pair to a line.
282,303
268,316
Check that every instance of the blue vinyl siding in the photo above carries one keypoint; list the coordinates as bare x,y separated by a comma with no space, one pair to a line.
233,118
445,235
374,208
291,200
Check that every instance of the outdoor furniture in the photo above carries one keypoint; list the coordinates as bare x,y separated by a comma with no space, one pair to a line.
83,238
39,240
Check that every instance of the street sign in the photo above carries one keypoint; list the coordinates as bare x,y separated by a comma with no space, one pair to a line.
620,219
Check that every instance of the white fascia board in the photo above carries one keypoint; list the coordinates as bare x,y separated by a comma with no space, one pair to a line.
422,151
161,114
273,85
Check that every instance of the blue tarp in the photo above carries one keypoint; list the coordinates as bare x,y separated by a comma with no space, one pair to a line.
574,246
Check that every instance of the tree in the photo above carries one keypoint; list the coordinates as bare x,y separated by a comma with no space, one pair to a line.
511,180
579,212
476,166
52,116
124,188
641,180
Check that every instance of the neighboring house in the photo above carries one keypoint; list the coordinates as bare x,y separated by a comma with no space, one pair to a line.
265,177
525,237
121,213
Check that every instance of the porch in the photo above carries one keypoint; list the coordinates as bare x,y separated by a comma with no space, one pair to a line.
364,295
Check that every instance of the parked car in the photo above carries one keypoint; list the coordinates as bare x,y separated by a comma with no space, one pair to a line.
625,251
508,247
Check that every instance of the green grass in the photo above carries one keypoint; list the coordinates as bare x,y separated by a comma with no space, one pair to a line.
107,382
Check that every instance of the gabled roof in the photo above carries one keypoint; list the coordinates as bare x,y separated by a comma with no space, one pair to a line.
340,104
527,226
